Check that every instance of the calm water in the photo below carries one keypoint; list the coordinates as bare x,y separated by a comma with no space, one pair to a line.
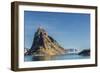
59,57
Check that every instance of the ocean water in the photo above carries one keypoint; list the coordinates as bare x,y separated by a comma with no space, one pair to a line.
58,57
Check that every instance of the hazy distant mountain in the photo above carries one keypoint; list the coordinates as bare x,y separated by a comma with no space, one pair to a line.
43,44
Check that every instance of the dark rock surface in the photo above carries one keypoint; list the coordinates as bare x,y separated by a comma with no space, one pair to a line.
85,52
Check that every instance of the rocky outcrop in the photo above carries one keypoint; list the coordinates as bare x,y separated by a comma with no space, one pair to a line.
44,45
85,52
25,51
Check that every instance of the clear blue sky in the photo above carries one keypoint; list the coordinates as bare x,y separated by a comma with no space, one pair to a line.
70,30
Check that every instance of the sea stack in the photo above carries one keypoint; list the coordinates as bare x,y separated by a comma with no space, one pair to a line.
44,45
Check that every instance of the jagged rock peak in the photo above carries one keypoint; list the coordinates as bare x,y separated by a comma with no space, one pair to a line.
43,44
41,31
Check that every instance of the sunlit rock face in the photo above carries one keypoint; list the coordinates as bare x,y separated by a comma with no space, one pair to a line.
44,45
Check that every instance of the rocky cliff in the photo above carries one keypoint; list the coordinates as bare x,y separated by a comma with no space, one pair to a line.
44,45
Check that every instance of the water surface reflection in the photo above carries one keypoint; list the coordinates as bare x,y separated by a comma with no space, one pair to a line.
57,57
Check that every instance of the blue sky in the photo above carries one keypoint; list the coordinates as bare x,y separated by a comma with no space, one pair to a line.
70,30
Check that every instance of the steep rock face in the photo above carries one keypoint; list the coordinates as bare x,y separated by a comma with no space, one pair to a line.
44,45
